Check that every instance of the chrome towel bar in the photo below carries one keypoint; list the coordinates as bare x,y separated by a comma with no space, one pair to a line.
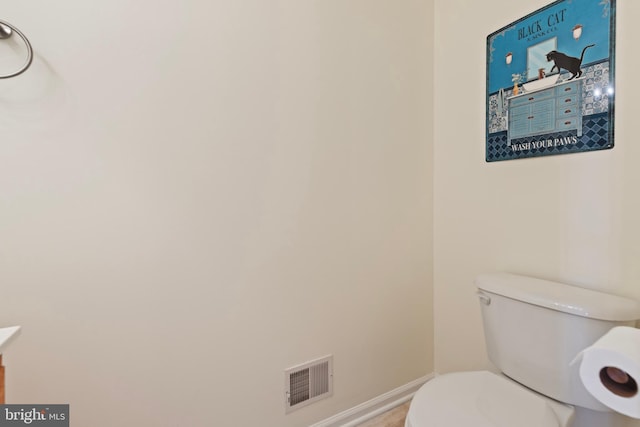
6,31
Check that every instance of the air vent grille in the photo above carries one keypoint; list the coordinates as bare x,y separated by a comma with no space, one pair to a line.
308,383
299,386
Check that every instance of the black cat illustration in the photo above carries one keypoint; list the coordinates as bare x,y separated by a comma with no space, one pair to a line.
569,63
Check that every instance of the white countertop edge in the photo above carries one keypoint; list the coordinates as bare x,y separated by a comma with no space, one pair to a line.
7,335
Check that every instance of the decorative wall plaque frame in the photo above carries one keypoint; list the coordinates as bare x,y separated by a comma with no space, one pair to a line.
550,82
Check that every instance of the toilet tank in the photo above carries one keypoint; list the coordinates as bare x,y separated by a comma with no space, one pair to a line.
535,328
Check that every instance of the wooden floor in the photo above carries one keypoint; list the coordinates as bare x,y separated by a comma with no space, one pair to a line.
392,418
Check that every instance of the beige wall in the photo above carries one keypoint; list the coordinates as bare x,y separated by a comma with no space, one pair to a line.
197,195
571,218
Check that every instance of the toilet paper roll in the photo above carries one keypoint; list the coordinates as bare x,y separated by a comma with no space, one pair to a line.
610,370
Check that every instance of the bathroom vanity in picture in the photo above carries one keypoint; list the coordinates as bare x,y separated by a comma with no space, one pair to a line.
553,109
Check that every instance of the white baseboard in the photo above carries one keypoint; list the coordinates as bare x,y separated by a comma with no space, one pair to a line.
376,406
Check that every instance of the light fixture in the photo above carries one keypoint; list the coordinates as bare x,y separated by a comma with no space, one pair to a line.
577,31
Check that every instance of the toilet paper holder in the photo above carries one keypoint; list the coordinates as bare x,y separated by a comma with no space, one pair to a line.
618,381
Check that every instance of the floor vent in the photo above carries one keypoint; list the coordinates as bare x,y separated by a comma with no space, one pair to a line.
308,383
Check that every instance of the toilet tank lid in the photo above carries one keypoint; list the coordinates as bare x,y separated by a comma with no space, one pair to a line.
560,297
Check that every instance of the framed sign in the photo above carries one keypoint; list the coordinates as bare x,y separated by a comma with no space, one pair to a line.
550,82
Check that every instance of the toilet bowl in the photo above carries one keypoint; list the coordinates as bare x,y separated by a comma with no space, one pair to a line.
483,399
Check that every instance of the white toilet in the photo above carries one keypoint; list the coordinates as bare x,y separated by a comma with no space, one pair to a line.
533,330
